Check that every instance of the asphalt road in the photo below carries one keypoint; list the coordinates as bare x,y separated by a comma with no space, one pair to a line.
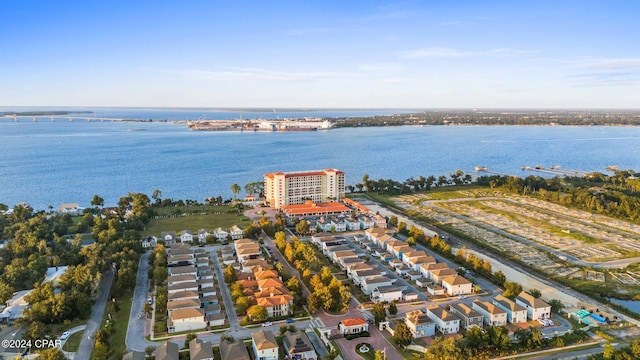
226,295
135,339
86,344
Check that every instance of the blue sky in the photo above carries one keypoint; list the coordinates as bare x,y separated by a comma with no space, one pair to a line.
351,54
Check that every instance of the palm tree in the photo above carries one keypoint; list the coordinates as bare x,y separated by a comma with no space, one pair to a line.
235,188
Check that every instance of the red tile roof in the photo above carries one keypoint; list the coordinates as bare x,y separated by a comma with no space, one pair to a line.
354,322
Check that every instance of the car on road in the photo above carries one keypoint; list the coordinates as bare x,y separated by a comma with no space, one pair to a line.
268,323
289,321
64,335
150,300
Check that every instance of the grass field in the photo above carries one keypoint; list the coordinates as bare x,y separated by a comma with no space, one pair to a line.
194,218
73,342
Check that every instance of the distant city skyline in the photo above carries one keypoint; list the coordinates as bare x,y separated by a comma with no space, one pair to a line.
328,54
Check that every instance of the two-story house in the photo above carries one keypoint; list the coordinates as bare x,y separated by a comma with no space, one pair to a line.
515,313
265,346
493,315
468,317
536,308
446,322
420,324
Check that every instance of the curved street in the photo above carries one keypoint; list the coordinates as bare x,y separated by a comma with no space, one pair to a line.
86,344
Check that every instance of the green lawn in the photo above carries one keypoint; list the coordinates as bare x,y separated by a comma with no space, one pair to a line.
197,217
122,320
73,342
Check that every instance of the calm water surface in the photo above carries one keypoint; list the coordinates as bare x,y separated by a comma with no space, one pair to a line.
48,163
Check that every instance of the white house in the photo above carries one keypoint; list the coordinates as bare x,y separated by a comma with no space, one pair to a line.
515,313
536,308
169,237
493,315
386,293
367,285
456,285
353,326
265,346
202,235
186,320
338,225
186,236
236,232
446,322
220,233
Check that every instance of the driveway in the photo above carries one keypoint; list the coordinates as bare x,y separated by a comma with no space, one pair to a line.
86,344
138,326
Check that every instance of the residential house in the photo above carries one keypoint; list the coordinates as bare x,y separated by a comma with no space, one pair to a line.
233,350
359,275
493,315
216,319
186,236
352,268
420,324
515,312
338,224
426,269
182,304
353,326
202,235
277,305
352,224
169,237
181,260
182,270
183,295
200,350
413,275
408,295
236,232
149,242
434,289
186,320
366,222
187,286
265,346
134,355
457,285
297,346
446,322
536,308
367,285
246,249
379,221
468,317
167,351
438,275
221,234
179,279
72,209
386,293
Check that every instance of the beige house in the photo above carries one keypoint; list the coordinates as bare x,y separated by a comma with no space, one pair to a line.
515,313
493,315
265,346
186,320
167,351
468,316
457,285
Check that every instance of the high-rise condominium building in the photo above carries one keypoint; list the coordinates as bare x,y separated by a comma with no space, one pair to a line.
290,188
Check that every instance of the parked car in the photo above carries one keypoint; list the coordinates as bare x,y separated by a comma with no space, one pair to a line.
64,335
289,321
267,323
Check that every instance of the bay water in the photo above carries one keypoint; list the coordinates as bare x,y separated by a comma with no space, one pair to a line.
49,163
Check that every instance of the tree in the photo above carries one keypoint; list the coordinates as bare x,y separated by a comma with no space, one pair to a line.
393,221
97,201
365,182
535,293
229,274
411,241
608,351
402,335
283,329
379,313
157,196
444,349
378,355
303,227
393,308
258,313
53,353
499,278
476,339
242,304
235,189
512,289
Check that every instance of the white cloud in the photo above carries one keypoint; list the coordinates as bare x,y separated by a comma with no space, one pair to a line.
455,53
613,64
